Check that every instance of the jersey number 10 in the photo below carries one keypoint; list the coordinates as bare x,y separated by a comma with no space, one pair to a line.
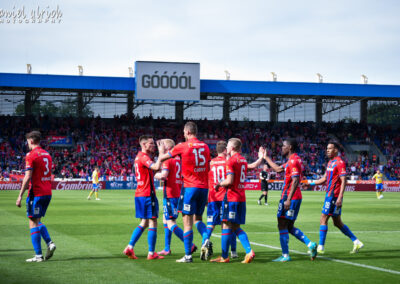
218,173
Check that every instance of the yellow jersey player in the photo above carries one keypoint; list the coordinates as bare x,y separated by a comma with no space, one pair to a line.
95,181
378,177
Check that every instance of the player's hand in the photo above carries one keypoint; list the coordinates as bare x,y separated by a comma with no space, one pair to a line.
286,205
304,186
217,186
18,202
161,147
339,202
261,152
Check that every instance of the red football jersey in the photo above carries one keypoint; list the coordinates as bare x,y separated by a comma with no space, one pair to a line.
336,169
293,168
216,174
144,175
237,165
195,157
40,162
173,183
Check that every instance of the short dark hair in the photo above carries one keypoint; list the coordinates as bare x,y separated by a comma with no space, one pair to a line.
221,146
36,136
144,138
191,127
336,145
292,142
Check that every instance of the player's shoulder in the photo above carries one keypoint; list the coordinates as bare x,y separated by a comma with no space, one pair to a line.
181,144
340,161
43,152
294,159
29,154
241,159
139,156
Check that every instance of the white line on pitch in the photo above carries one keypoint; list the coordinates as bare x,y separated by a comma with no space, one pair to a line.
330,232
328,258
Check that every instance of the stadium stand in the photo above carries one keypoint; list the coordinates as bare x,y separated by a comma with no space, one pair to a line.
112,144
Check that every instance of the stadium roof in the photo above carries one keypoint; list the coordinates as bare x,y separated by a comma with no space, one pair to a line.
44,82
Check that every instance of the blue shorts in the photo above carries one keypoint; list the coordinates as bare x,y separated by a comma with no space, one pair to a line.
330,208
379,186
95,186
170,206
234,212
214,211
146,208
36,206
293,211
193,200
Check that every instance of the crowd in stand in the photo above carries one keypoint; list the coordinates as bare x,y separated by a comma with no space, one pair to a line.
112,144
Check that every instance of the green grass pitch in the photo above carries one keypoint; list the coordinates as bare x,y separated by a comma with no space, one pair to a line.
90,237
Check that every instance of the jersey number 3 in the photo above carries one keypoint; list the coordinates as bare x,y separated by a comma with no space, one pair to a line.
46,172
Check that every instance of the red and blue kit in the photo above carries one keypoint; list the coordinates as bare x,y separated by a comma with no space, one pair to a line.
146,202
172,187
336,168
195,156
293,168
40,163
237,165
234,207
215,198
216,174
173,184
144,175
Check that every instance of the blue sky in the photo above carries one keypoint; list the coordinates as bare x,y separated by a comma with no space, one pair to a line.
295,39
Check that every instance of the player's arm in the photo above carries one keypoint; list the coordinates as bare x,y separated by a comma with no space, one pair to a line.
274,166
342,187
226,182
164,154
254,165
156,166
25,182
318,181
295,184
163,175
